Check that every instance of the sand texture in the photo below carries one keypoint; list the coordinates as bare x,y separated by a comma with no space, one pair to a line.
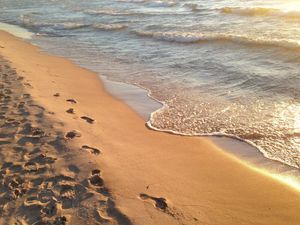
39,184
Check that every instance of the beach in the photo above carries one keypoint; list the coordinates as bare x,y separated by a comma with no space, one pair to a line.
73,154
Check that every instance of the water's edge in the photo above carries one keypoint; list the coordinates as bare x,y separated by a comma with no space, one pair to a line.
240,148
142,102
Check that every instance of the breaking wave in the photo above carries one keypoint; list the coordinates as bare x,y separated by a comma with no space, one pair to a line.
28,22
157,3
192,6
113,12
188,37
71,26
116,26
162,4
118,12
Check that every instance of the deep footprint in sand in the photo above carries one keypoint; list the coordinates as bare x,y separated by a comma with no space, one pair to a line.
96,179
72,134
30,167
88,119
70,110
27,84
45,195
92,150
71,101
62,220
160,202
96,171
100,218
67,195
43,159
37,132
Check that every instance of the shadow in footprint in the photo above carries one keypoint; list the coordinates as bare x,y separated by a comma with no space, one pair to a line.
160,203
70,110
92,150
72,134
96,180
71,101
74,168
88,119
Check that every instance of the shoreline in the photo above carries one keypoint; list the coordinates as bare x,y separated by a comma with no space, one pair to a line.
140,99
137,97
135,158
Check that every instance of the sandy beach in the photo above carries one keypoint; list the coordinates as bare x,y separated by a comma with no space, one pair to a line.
73,154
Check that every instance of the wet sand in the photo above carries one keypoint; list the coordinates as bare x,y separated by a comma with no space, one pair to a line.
106,165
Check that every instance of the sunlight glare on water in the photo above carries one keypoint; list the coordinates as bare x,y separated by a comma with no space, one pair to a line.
290,5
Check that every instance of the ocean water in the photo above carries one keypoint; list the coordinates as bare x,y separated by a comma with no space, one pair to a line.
219,67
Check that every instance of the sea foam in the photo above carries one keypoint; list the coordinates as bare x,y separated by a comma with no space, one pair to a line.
16,30
116,26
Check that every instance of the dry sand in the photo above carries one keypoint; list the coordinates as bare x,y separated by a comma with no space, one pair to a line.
140,176
39,182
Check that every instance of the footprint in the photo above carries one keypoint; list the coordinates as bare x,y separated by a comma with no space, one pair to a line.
160,203
6,165
19,193
72,134
50,209
88,119
70,110
26,96
20,78
92,150
27,84
43,159
96,179
45,196
96,171
56,95
71,101
37,132
67,196
21,105
15,182
16,168
74,169
62,220
99,217
30,167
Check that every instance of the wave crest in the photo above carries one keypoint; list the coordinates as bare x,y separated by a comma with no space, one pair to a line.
116,26
162,4
192,6
72,26
30,23
112,12
158,3
187,37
